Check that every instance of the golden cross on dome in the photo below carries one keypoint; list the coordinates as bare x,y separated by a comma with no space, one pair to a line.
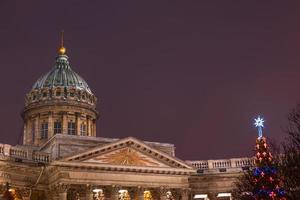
62,50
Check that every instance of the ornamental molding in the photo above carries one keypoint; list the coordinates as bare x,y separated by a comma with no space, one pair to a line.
64,175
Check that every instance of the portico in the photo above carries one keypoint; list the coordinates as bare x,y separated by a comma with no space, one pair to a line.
116,192
123,168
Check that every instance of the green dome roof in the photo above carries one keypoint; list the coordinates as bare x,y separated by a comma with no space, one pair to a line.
61,75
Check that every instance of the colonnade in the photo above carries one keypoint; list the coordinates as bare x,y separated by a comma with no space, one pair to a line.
32,127
93,192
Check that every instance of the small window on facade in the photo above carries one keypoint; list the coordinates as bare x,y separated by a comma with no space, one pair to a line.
71,128
71,94
34,97
44,130
83,129
57,127
44,94
58,93
83,97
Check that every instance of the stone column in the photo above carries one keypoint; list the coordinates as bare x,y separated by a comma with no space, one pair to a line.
25,133
37,130
212,195
185,193
62,191
115,192
63,195
88,126
28,132
50,125
64,123
95,127
140,193
89,192
163,193
78,123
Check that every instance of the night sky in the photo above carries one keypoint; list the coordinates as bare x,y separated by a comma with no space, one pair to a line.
194,74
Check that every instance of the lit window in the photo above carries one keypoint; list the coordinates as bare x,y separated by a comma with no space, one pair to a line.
44,130
57,127
82,129
71,128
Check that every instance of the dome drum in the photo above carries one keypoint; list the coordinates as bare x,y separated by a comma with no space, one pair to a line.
43,123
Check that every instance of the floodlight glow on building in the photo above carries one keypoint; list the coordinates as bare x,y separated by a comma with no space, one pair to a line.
224,195
201,196
97,190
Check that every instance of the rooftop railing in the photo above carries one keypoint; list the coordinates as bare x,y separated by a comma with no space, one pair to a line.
23,154
222,163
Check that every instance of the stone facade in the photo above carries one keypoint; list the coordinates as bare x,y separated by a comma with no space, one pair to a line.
61,157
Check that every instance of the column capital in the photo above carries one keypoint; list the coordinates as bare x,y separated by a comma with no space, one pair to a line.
89,187
140,189
116,188
162,193
163,190
25,193
61,187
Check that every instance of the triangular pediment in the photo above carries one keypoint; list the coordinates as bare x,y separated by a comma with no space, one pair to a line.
126,156
128,152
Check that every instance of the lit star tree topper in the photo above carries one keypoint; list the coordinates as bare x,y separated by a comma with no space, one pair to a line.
259,123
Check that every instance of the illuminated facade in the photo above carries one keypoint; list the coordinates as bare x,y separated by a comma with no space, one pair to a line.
61,157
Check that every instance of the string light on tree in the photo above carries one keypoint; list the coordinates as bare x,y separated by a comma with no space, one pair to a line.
266,181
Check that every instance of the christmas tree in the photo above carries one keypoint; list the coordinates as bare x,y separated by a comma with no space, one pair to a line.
266,181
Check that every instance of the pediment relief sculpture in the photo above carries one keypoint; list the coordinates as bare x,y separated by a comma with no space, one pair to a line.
126,156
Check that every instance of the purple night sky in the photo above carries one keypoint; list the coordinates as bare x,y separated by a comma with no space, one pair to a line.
190,73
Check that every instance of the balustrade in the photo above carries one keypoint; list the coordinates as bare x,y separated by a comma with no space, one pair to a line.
18,153
224,163
24,154
41,157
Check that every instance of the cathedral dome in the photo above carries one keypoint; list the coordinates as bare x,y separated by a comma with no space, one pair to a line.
61,75
59,102
61,85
